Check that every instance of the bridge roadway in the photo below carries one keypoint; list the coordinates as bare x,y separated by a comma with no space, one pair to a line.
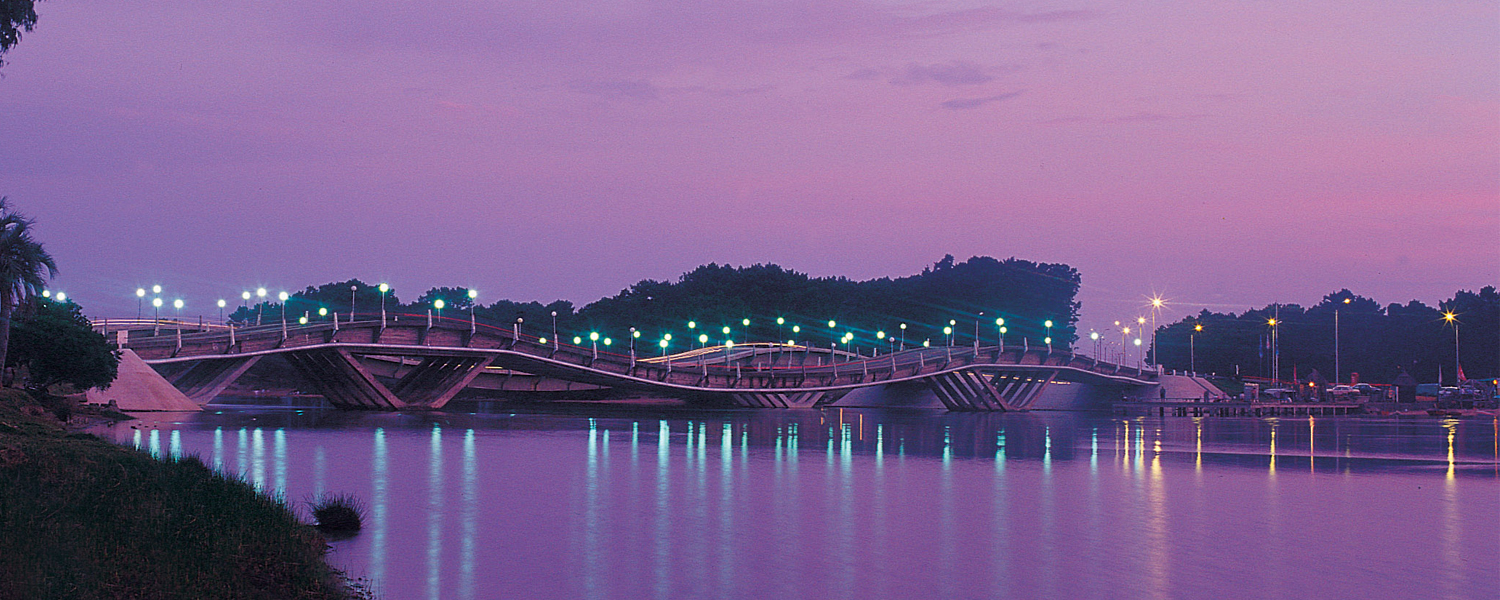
450,353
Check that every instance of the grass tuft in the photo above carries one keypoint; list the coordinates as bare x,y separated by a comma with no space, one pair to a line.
338,513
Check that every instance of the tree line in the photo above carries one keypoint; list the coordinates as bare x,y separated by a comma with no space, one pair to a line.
951,294
1376,341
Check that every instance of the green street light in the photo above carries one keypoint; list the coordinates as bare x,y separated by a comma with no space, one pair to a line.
177,304
635,334
439,304
608,341
999,321
726,330
832,324
663,344
577,340
322,311
156,289
745,322
880,335
1047,323
384,288
473,294
947,331
667,337
302,320
541,341
780,321
156,302
1047,340
796,329
692,324
593,336
703,338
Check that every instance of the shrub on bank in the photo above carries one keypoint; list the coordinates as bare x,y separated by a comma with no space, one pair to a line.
84,518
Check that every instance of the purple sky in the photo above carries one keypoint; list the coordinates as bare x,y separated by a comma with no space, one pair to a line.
1224,154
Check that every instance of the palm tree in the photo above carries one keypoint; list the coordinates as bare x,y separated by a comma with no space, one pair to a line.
24,268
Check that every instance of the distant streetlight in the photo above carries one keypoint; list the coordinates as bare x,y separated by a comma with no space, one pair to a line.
594,338
1000,332
1452,319
140,299
383,289
1094,336
222,303
473,325
633,334
260,308
155,315
283,297
352,290
903,336
1048,325
322,311
156,289
439,304
1337,368
554,330
780,322
1193,350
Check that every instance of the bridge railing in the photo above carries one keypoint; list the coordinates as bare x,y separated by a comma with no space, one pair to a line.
609,359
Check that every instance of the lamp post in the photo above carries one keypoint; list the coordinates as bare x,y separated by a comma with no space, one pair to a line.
383,289
1193,349
221,310
1337,368
155,316
1000,332
976,334
1141,321
1048,339
1094,335
439,304
1003,330
1124,350
633,334
1275,347
948,331
594,339
260,307
352,290
473,294
140,302
283,296
1156,304
554,330
903,336
245,299
780,333
1140,355
1452,319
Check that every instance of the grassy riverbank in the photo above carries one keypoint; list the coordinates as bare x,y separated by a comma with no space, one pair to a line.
84,518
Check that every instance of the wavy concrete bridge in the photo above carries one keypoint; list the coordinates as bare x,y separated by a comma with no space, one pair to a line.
422,363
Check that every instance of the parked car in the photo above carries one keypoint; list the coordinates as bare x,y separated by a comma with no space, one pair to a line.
1342,390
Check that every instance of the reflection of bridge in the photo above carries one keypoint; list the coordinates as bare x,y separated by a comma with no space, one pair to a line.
349,363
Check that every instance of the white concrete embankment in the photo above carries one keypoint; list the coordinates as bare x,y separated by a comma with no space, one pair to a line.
138,387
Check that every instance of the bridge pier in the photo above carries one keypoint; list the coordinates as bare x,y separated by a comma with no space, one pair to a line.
204,380
346,383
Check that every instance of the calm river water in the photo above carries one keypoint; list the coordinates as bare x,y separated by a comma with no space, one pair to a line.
877,504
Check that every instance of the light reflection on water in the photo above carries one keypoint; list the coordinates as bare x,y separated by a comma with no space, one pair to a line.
913,504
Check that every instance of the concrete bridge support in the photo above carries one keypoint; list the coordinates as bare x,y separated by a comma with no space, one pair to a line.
204,380
346,383
973,390
791,399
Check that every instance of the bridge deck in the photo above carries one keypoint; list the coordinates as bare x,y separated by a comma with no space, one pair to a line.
764,375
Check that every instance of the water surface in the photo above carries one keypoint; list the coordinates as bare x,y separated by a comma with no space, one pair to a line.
879,504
